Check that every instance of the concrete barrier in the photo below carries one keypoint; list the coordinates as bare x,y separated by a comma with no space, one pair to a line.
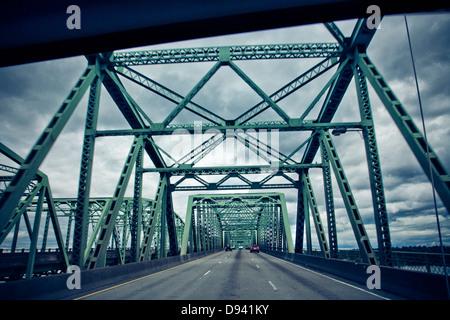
55,286
405,283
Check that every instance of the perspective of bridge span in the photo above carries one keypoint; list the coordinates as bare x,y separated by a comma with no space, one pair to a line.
269,175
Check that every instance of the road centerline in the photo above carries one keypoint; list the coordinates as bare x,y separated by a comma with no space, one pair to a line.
273,286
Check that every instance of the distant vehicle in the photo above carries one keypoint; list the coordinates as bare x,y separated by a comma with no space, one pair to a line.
254,248
233,247
241,247
247,248
227,248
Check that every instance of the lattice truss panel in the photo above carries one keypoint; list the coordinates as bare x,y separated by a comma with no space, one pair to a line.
188,143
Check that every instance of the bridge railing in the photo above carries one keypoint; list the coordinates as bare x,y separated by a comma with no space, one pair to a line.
429,262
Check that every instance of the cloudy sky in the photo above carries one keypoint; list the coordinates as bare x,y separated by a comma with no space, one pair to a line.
30,94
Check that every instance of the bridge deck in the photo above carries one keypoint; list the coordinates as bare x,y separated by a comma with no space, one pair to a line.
238,275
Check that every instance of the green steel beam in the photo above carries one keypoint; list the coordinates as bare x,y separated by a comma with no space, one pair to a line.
130,111
208,54
188,232
84,184
288,89
136,222
35,233
254,169
169,94
432,166
109,220
336,32
329,203
20,210
356,221
374,166
51,208
30,166
286,225
330,82
155,211
282,126
172,231
360,39
259,91
316,216
42,183
182,104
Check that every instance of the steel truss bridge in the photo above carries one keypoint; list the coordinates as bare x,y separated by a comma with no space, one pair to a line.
87,229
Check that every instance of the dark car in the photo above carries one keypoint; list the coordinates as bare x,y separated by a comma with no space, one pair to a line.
254,248
227,248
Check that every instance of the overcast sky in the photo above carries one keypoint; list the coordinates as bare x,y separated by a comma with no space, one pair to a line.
30,94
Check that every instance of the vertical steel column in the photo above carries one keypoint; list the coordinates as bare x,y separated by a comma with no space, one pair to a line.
300,223
109,220
359,230
316,217
329,202
286,224
84,184
55,223
306,217
155,210
188,238
374,166
34,234
409,130
171,224
136,221
45,233
163,223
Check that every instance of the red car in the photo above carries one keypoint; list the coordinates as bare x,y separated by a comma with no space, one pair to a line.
254,248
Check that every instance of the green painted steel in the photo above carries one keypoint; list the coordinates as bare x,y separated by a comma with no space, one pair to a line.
151,228
216,220
40,187
11,195
374,166
81,216
316,217
354,216
108,218
208,54
409,130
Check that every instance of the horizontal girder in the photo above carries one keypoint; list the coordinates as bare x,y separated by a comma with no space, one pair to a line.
275,167
208,54
190,128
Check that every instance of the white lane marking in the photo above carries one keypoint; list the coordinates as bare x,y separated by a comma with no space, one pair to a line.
273,286
347,284
257,266
207,272
220,261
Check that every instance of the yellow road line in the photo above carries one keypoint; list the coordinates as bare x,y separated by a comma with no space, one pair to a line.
147,276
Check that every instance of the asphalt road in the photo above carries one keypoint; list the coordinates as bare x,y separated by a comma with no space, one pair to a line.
237,275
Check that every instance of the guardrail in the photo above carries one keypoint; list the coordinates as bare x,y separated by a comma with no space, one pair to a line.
430,262
55,286
405,283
